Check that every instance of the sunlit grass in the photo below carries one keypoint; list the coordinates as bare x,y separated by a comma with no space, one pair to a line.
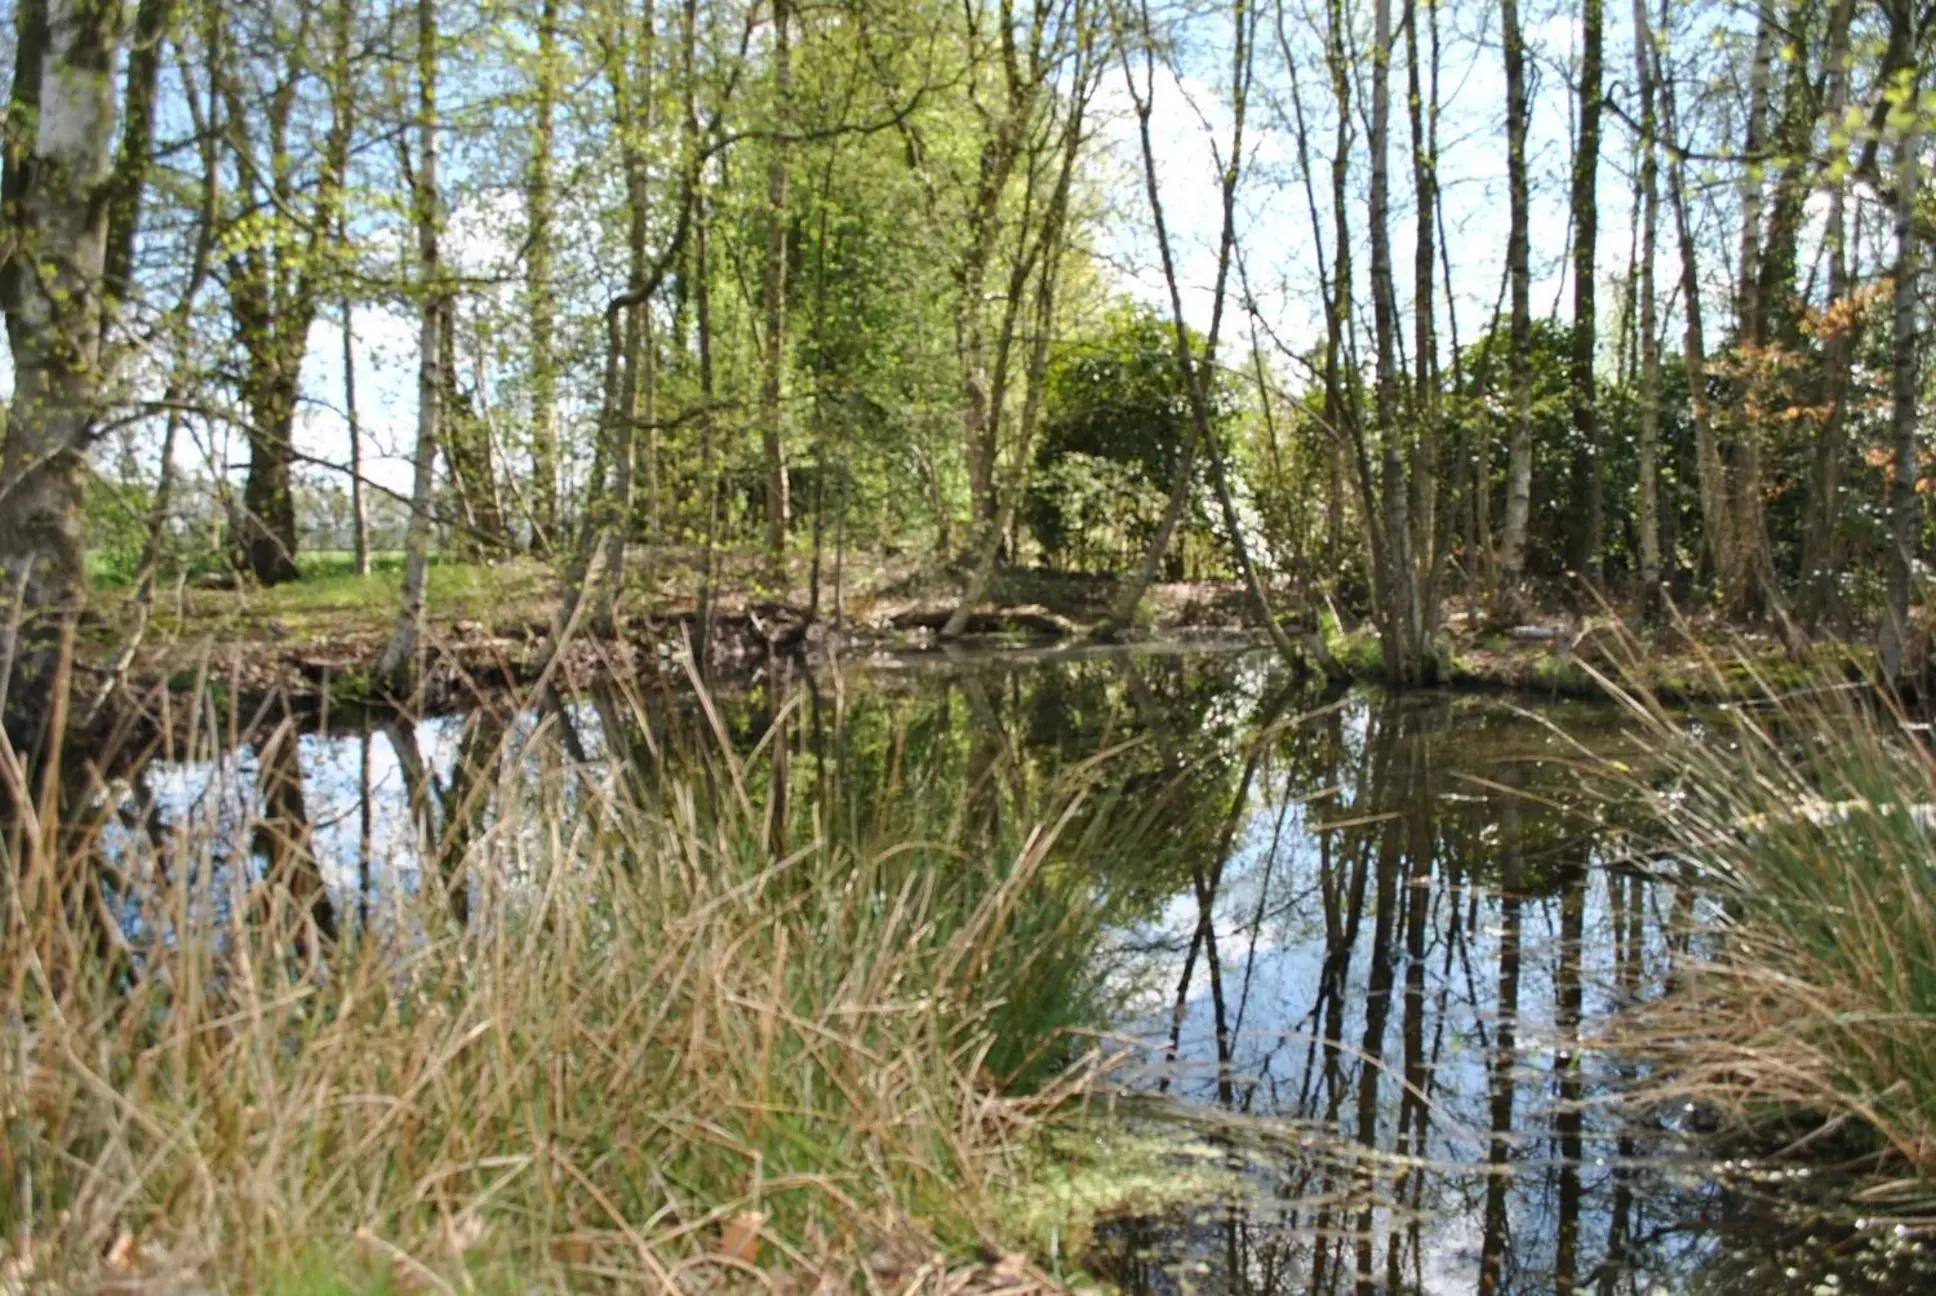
1811,992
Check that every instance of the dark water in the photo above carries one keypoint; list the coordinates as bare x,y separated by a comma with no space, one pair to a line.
1367,953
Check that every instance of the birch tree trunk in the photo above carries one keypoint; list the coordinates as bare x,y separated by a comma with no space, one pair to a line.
397,667
1740,451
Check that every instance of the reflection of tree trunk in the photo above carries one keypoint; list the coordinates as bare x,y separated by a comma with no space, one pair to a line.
284,837
480,754
417,792
364,826
1418,802
779,754
1378,993
1341,938
987,755
1566,1061
1626,901
1492,1253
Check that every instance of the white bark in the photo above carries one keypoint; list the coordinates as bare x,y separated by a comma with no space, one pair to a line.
399,658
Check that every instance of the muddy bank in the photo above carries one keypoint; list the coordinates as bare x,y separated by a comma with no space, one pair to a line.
309,667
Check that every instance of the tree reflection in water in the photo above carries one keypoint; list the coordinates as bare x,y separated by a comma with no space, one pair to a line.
1377,936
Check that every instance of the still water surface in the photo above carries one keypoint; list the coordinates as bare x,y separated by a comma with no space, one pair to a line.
1364,957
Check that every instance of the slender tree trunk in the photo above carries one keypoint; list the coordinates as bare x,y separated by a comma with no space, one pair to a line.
1753,144
1050,247
1425,347
1402,622
538,300
1143,101
1001,148
1519,466
176,393
1823,506
773,306
359,512
397,667
1649,185
1330,273
708,454
1198,376
1905,501
1585,468
1741,451
1716,523
630,73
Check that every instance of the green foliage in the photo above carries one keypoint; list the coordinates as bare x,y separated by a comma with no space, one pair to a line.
1116,419
117,530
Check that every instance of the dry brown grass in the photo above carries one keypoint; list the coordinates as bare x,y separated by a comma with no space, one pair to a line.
1803,1000
643,1052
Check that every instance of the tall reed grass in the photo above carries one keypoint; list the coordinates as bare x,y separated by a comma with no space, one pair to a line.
622,1033
1806,1000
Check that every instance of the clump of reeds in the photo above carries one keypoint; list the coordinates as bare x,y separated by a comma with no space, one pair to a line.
1804,998
634,1026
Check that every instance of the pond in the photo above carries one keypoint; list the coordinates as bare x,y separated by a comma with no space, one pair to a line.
1361,958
